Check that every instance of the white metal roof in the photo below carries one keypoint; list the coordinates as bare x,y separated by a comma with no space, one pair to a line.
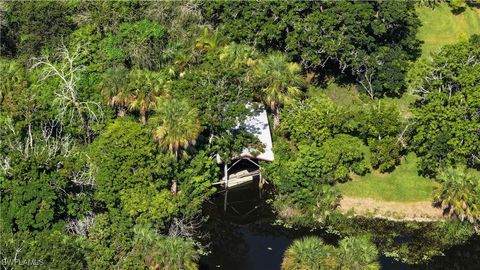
257,124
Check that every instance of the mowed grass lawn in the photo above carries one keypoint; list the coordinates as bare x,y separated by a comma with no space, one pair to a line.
402,185
441,27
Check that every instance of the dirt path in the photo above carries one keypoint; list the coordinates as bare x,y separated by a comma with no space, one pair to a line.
412,211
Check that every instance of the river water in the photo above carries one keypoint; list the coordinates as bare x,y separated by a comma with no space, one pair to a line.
243,238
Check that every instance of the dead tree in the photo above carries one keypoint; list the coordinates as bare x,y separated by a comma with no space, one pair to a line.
65,67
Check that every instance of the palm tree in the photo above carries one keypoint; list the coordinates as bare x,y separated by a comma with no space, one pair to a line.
146,90
457,194
281,82
114,89
238,55
208,41
177,126
358,253
309,253
161,252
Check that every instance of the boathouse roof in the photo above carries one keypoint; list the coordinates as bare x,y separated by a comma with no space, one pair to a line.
257,124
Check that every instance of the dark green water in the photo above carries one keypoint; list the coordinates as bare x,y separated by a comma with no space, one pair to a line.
244,238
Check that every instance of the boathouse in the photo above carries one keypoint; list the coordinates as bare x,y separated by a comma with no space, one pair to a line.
245,167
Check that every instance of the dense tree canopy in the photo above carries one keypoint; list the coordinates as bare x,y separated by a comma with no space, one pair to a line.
113,114
319,33
447,119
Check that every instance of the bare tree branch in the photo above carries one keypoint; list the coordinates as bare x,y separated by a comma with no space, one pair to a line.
64,67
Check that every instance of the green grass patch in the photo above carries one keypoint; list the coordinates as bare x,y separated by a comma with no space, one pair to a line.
342,95
441,27
402,185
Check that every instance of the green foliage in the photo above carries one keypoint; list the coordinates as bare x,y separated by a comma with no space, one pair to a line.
318,119
194,178
109,239
311,253
280,81
358,253
408,242
380,125
304,178
379,121
343,154
220,87
311,120
447,120
69,153
386,153
342,33
136,45
128,159
39,24
114,89
14,80
44,250
459,194
36,183
144,91
176,125
163,252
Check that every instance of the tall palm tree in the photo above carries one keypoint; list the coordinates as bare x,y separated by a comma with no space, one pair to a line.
281,81
457,194
115,90
177,126
146,90
309,253
358,253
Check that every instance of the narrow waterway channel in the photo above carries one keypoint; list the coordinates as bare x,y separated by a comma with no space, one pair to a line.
244,238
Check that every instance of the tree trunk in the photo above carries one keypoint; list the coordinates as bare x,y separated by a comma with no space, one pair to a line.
276,118
225,171
86,129
121,111
174,188
143,117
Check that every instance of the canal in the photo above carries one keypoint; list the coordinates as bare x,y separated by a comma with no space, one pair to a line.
245,238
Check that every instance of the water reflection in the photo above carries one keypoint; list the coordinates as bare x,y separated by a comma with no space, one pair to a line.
244,239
